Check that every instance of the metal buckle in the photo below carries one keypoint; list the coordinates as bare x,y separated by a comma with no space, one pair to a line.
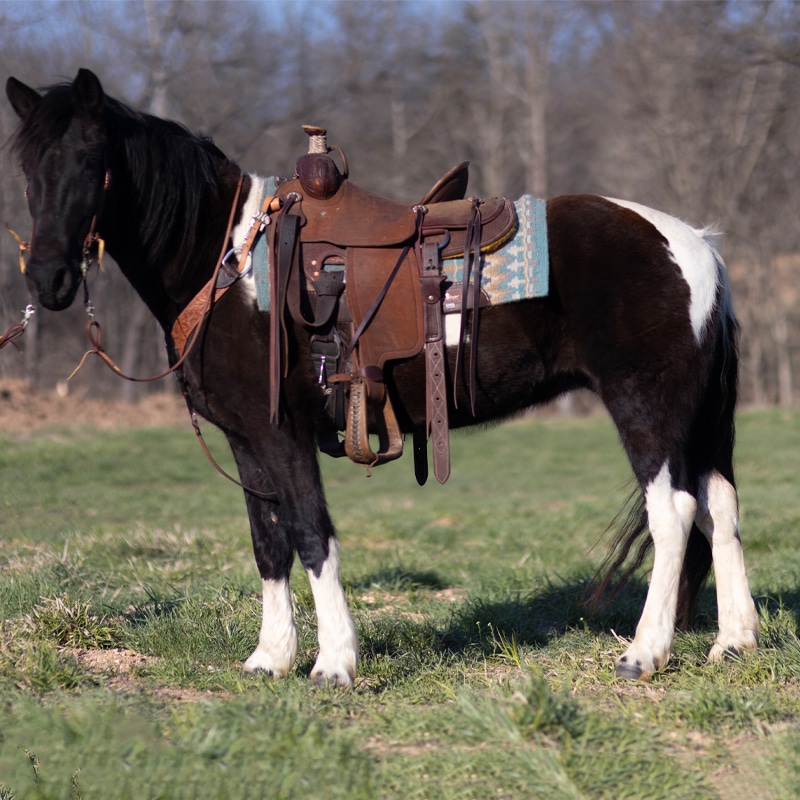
237,251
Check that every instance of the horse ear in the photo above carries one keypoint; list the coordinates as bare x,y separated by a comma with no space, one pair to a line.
87,93
23,99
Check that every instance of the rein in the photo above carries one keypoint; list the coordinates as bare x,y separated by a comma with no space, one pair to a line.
15,331
94,333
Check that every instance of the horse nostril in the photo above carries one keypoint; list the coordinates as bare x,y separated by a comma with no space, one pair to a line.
59,279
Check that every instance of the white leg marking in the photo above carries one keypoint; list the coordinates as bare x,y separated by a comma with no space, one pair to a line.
718,519
277,642
338,641
695,253
670,514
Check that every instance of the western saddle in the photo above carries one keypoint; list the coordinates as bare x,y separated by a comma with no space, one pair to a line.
363,274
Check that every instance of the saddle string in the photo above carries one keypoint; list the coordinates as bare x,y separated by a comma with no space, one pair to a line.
472,255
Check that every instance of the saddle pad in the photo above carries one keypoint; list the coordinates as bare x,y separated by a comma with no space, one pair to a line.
517,271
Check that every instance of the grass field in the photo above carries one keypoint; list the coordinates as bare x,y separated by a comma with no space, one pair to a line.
129,599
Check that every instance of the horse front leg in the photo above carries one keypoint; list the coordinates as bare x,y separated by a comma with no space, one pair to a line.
277,640
338,641
670,514
296,520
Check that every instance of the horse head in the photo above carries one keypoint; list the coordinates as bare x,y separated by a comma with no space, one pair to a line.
61,144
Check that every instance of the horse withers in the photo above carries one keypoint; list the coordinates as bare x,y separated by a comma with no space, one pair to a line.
638,311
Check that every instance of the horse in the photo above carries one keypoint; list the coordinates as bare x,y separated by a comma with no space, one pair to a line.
638,311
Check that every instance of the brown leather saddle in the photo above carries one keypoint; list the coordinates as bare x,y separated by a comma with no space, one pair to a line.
364,274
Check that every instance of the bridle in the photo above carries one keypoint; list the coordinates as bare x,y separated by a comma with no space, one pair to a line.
91,241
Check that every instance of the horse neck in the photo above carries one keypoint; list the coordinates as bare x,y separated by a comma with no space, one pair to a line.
167,277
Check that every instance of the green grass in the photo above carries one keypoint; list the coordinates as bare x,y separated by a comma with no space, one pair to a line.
481,674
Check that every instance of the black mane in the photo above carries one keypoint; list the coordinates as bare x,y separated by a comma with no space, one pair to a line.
170,168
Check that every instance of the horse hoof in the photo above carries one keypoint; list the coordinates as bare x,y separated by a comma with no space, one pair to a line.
254,671
334,681
630,672
724,654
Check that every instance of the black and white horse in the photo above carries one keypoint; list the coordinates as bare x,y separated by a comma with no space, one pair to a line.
639,311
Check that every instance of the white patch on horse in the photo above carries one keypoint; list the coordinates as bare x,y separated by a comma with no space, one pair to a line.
277,642
696,254
670,514
718,519
338,641
251,207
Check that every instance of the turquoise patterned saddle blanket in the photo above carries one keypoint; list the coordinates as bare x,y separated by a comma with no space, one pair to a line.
519,270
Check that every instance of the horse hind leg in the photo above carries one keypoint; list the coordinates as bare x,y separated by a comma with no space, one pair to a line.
718,519
670,514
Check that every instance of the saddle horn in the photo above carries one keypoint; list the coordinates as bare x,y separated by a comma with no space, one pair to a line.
317,172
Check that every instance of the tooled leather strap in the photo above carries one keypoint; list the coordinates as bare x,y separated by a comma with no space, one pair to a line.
437,427
201,303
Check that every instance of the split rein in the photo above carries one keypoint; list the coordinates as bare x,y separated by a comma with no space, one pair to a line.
94,331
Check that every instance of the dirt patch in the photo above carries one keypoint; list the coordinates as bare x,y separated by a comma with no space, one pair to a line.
25,409
117,667
113,666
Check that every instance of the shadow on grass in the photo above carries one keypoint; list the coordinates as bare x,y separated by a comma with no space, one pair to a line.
397,579
537,618
534,619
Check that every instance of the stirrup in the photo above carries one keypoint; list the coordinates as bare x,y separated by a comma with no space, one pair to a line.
356,442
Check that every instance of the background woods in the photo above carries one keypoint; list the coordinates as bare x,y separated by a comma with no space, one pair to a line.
692,107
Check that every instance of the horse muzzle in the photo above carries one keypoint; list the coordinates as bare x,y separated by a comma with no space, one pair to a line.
52,281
